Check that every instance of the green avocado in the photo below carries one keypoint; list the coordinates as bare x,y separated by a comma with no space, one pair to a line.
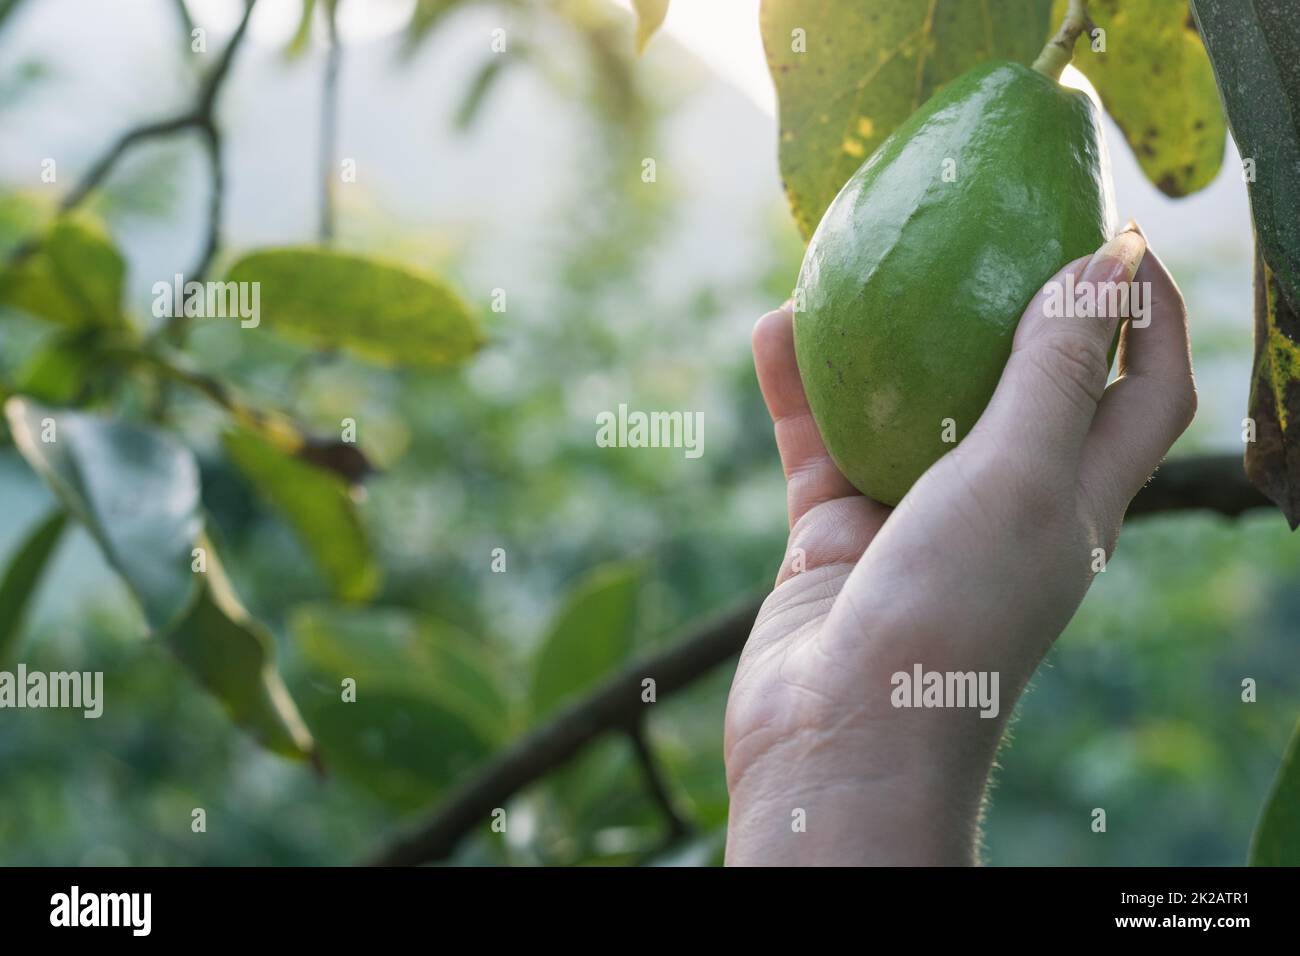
917,275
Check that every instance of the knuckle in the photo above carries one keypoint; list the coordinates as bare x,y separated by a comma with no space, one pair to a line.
1075,360
1185,403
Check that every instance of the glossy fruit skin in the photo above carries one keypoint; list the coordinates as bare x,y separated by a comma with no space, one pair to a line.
912,286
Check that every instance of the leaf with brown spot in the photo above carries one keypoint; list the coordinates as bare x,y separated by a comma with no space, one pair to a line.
1156,83
1273,459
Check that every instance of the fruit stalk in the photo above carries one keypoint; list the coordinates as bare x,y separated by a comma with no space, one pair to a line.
1051,62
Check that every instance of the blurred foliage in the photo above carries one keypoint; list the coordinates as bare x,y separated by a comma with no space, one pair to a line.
1138,709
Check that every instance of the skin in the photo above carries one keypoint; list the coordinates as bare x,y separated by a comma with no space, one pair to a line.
980,567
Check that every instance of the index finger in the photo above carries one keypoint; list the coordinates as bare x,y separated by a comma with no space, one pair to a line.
811,475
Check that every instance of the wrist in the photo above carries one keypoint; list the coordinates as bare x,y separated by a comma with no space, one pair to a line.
907,798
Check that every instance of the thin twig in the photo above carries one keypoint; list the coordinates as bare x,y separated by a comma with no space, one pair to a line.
615,703
657,784
200,116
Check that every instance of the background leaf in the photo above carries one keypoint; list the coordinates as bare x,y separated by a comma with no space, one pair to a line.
74,276
590,635
136,490
1157,85
649,16
302,34
429,706
21,578
233,656
67,366
400,650
318,505
378,311
476,93
869,64
1277,837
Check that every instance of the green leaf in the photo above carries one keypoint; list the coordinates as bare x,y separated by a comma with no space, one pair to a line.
429,706
1277,836
868,65
479,87
1254,46
385,313
404,748
22,576
399,651
590,635
302,35
318,505
1156,83
136,490
21,214
649,16
73,277
233,656
60,371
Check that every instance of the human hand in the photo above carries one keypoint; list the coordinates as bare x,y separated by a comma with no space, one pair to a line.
978,569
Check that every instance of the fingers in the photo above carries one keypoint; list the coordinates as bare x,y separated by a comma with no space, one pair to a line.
1152,401
837,532
811,475
1045,402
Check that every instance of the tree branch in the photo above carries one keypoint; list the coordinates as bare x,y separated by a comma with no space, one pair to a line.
615,703
1215,483
658,786
200,116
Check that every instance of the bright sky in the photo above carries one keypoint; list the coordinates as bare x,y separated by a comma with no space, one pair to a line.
722,33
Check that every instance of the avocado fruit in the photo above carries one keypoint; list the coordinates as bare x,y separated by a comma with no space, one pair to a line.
917,275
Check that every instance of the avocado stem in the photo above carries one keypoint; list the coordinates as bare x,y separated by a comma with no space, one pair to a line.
1052,61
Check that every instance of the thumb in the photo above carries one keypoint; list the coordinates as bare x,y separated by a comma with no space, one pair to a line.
1049,390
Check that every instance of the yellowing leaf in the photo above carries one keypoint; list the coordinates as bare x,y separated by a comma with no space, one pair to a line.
318,505
382,312
847,72
1273,458
649,16
1155,81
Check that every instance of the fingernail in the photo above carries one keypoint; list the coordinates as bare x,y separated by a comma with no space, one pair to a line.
1118,259
1132,226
